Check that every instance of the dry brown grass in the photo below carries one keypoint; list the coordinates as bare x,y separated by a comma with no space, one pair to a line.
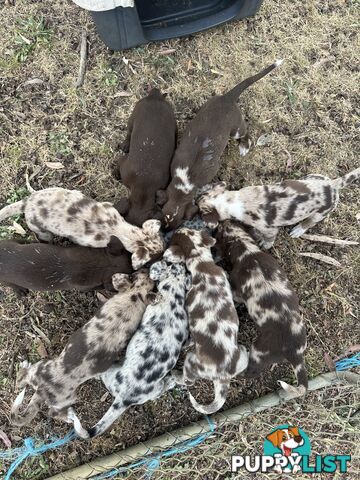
309,106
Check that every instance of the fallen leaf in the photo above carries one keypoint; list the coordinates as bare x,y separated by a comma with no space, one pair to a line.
5,439
41,350
101,297
265,139
330,240
289,163
321,258
329,362
18,229
123,94
167,51
26,40
41,333
213,70
104,397
32,81
54,165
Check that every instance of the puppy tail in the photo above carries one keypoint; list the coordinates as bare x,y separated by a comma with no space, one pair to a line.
302,380
221,389
238,89
13,209
107,420
347,179
30,411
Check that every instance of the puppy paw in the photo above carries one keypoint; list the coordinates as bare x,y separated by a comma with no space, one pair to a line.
25,364
297,231
74,419
243,150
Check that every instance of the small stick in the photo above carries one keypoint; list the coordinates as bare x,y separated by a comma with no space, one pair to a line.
322,258
82,68
331,240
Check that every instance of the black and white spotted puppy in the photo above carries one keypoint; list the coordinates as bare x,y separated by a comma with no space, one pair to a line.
90,351
215,353
69,213
258,281
154,349
269,207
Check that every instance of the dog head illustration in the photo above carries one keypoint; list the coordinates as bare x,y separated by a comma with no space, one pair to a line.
286,439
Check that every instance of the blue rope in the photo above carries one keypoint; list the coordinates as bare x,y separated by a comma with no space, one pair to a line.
347,363
20,454
153,462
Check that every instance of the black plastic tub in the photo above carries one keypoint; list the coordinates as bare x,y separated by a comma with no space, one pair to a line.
151,20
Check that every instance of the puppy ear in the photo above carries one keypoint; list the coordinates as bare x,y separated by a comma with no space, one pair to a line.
174,254
157,270
183,242
122,206
220,186
161,197
295,431
121,281
191,211
115,246
274,438
140,257
207,239
151,227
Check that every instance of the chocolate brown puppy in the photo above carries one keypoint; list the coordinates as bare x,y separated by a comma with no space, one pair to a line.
42,267
258,281
197,157
150,146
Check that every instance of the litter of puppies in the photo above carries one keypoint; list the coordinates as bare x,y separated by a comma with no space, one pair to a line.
169,291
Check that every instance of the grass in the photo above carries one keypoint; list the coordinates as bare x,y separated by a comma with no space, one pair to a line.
309,106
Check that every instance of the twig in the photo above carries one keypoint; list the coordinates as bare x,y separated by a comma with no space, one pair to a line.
325,239
322,258
82,68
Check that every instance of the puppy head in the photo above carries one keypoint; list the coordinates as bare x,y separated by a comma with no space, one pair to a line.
121,282
158,270
186,243
151,228
177,208
205,201
151,247
142,283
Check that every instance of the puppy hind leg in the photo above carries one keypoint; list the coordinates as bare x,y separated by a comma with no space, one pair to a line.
43,235
309,222
30,411
267,237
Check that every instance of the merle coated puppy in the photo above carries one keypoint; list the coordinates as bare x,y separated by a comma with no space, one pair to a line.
197,157
90,351
154,349
42,267
258,281
215,354
150,146
69,213
266,208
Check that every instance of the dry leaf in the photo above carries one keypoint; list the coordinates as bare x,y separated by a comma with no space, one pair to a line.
5,439
263,140
18,229
330,240
321,258
167,51
101,297
41,333
54,165
104,397
32,81
123,94
216,72
329,362
26,40
41,350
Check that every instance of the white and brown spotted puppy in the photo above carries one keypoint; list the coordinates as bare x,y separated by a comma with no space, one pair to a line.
269,207
258,281
154,349
69,213
213,320
198,155
90,351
